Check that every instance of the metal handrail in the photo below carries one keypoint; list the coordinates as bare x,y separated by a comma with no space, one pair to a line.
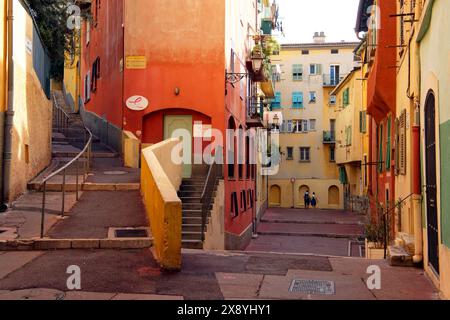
86,166
214,173
60,117
386,237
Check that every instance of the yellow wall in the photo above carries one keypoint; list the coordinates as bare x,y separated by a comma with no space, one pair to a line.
72,77
160,181
131,146
320,173
215,232
31,144
3,55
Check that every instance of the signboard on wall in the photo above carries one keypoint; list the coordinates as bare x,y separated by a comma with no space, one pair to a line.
137,103
136,62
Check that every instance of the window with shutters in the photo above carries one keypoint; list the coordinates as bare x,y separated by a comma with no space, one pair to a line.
297,100
315,69
380,148
388,144
290,153
297,72
402,143
312,97
312,125
346,97
363,121
348,136
276,103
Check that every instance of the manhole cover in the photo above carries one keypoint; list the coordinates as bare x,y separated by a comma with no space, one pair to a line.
131,233
115,173
313,287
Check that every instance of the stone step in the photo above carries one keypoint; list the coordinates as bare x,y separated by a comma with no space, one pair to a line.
192,244
93,154
397,256
190,235
192,227
191,200
198,188
192,219
192,213
190,194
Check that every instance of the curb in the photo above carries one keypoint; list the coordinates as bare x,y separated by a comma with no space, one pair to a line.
66,244
319,235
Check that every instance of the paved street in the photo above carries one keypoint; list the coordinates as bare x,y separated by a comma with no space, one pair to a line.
134,274
310,231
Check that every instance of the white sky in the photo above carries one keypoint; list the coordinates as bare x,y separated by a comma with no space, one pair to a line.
301,18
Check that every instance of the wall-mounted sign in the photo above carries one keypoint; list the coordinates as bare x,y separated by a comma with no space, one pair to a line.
136,62
29,45
137,103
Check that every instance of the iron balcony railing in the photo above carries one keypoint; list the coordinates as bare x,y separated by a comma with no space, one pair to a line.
255,108
329,137
61,121
331,81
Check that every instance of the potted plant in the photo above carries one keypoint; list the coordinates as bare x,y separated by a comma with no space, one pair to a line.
375,232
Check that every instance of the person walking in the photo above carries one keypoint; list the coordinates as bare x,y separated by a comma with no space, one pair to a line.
314,200
307,200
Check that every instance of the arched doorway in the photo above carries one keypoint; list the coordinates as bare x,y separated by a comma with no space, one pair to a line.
301,194
431,181
275,196
333,196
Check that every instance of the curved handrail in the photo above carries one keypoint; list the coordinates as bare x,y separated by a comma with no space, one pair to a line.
85,151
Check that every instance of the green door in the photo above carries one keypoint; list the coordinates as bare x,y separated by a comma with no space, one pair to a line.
172,123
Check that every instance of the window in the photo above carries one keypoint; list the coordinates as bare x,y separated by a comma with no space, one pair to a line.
332,154
388,145
276,103
315,69
290,153
276,73
87,88
380,148
297,100
312,125
348,136
297,126
297,72
362,121
346,97
304,126
332,100
334,51
289,126
305,154
402,155
305,52
95,74
312,97
234,205
88,32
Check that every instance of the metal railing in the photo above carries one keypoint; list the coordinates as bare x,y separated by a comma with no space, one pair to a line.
386,223
60,118
329,136
62,121
214,173
331,81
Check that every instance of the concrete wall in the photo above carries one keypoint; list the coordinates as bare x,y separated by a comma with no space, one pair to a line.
31,133
435,68
215,232
159,185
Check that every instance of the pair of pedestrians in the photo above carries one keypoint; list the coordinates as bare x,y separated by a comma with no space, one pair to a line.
310,200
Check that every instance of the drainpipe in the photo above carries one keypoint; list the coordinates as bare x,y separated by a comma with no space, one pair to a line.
8,126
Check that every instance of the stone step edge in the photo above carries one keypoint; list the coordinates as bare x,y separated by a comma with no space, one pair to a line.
305,234
345,223
66,244
89,186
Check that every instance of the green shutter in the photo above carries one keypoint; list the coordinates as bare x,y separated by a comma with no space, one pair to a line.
388,145
346,97
380,147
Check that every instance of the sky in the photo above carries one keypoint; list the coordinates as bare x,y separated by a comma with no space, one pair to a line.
301,18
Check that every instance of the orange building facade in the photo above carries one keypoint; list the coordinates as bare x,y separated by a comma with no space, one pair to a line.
152,67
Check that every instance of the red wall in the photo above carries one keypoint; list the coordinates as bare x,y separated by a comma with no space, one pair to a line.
106,42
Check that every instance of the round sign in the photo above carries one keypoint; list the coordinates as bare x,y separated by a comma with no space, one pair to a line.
137,103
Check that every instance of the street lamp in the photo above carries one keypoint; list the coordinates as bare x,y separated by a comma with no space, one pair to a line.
257,62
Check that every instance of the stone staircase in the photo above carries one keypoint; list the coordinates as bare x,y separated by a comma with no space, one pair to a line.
190,194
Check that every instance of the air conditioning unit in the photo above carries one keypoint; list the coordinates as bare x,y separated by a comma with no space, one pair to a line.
332,100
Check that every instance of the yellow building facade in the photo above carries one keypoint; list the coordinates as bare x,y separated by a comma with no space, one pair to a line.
304,76
352,139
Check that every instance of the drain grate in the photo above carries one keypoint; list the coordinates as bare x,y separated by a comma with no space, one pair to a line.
321,287
131,233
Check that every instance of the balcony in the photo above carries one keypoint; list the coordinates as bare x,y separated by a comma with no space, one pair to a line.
329,137
255,113
329,81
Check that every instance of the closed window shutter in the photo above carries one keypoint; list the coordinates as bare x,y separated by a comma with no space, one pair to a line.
319,69
388,144
402,142
380,147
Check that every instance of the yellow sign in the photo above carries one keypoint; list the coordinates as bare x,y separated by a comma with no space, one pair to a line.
136,62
